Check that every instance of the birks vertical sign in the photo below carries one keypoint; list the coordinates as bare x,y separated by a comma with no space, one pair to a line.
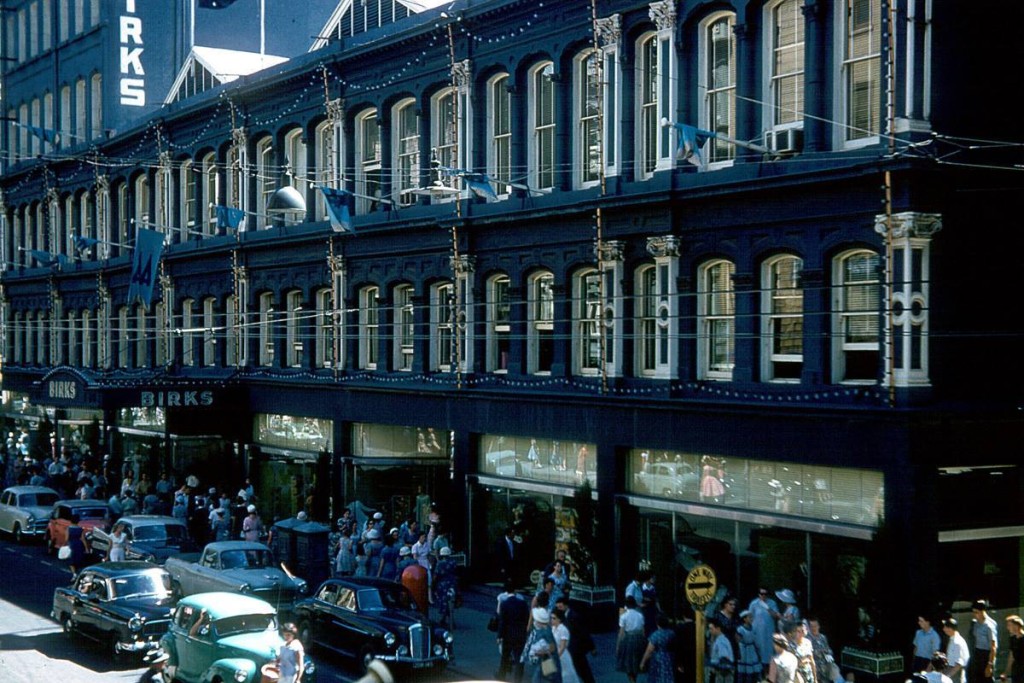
133,74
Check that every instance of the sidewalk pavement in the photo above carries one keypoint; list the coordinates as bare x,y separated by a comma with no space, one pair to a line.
476,649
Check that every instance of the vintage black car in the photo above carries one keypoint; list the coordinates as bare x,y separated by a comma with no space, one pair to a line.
126,606
153,538
367,618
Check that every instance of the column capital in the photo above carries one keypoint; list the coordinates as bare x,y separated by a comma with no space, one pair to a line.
663,14
609,30
663,245
909,224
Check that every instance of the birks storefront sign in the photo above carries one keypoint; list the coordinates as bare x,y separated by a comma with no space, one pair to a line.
176,399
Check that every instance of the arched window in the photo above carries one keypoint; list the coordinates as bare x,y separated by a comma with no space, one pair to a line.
856,306
716,317
540,340
266,326
211,192
442,323
369,327
717,80
499,129
499,323
405,135
542,113
405,328
295,323
782,319
368,162
587,140
209,333
266,179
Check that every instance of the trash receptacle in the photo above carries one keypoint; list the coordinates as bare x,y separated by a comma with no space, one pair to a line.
282,540
310,559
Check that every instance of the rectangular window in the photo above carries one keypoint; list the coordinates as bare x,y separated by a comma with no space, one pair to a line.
787,64
783,305
717,311
407,137
589,141
650,125
405,328
499,164
499,327
720,79
589,328
369,328
862,68
858,292
369,168
544,126
209,336
541,341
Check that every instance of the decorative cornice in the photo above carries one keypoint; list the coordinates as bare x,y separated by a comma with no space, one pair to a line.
462,73
609,250
103,183
663,245
663,14
910,224
609,30
336,109
336,263
238,136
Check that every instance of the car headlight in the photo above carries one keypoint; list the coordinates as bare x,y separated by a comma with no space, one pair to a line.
448,637
241,675
302,586
389,639
438,649
402,650
136,623
244,588
29,517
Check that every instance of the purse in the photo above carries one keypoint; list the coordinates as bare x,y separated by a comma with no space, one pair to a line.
64,553
548,667
492,625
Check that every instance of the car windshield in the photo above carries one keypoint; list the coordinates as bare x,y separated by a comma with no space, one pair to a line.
245,559
37,499
378,600
91,513
149,583
245,623
160,532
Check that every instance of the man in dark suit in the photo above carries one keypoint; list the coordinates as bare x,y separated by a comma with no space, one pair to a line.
513,613
581,643
506,556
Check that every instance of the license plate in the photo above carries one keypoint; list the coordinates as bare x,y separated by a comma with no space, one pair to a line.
421,665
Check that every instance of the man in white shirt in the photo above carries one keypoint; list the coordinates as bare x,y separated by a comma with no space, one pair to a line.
957,654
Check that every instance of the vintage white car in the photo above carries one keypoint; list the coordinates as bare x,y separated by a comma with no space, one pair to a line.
25,510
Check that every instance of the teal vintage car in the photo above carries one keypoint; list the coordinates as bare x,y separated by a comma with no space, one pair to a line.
223,638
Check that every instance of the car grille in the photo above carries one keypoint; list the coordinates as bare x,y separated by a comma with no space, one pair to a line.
39,526
155,628
419,642
276,596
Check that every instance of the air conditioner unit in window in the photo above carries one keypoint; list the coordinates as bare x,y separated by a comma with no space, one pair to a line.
785,141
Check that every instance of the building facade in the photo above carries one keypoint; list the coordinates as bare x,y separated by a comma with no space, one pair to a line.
712,259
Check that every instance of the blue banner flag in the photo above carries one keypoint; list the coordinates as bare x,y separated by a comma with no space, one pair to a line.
229,217
691,140
148,246
46,134
83,243
480,185
337,208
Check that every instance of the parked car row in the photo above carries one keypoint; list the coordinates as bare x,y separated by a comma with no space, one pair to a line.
216,614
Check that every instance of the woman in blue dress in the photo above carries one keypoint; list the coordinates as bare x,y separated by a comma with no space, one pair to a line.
659,660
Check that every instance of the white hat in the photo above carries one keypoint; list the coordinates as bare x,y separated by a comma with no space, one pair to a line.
378,515
404,550
786,596
251,508
213,491
540,615
220,511
302,516
373,534
445,551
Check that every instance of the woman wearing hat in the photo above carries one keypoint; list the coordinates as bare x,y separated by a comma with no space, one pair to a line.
790,612
290,656
252,525
541,649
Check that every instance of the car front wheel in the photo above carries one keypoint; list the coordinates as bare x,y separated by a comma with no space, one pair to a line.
19,537
67,625
365,657
306,635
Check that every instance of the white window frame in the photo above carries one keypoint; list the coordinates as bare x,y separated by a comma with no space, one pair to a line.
499,323
211,192
587,133
442,326
266,329
541,305
234,352
96,106
329,141
141,189
369,327
499,132
266,180
542,127
405,151
404,337
88,358
716,318
782,305
849,134
209,358
841,315
142,359
188,324
189,207
327,330
657,318
719,153
295,322
778,115
369,179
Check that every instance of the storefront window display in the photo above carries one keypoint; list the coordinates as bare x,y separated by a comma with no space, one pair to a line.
832,494
395,441
309,434
566,463
153,418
